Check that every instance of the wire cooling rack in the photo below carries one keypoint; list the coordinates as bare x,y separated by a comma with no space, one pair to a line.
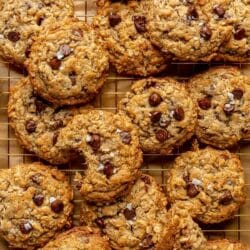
115,88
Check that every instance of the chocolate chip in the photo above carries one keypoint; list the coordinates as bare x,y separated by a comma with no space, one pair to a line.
192,13
55,137
154,99
238,93
40,20
55,63
26,227
155,116
72,77
161,135
36,178
219,11
129,213
147,242
100,222
226,198
57,206
205,32
30,126
27,51
38,199
95,141
114,19
13,36
192,190
40,105
145,179
204,103
125,137
108,169
140,23
179,114
239,33
57,124
228,108
186,178
65,50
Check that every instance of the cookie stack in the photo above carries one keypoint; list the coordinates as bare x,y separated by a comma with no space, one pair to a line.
67,62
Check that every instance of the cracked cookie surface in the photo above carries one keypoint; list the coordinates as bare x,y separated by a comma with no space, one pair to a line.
79,238
37,123
222,97
21,20
163,112
122,25
209,182
35,204
136,221
67,63
187,29
110,146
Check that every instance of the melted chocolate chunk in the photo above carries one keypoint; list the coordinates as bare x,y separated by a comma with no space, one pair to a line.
226,198
108,169
239,33
192,190
206,32
238,93
161,135
55,63
179,114
38,199
219,11
154,99
192,13
57,206
155,116
140,23
100,222
13,36
205,103
114,19
129,213
30,126
26,227
95,141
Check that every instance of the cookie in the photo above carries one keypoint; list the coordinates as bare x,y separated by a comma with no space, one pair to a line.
37,123
67,63
22,20
222,97
209,182
79,238
183,233
122,25
237,48
110,146
187,29
136,221
224,244
162,111
35,204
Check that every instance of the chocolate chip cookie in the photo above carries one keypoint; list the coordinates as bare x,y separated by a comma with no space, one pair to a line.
222,96
37,123
209,182
122,25
35,204
136,221
67,63
110,146
224,245
163,112
237,48
183,233
79,238
21,20
187,29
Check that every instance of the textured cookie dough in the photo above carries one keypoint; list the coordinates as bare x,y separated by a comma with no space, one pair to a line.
35,204
122,25
222,96
209,182
136,221
183,233
21,20
237,49
37,123
224,245
187,29
67,63
79,238
163,112
110,145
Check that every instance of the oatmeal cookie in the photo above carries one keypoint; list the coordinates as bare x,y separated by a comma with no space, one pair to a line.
22,20
209,182
136,221
79,238
187,29
110,146
162,111
222,96
35,204
37,123
122,25
67,63
224,244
